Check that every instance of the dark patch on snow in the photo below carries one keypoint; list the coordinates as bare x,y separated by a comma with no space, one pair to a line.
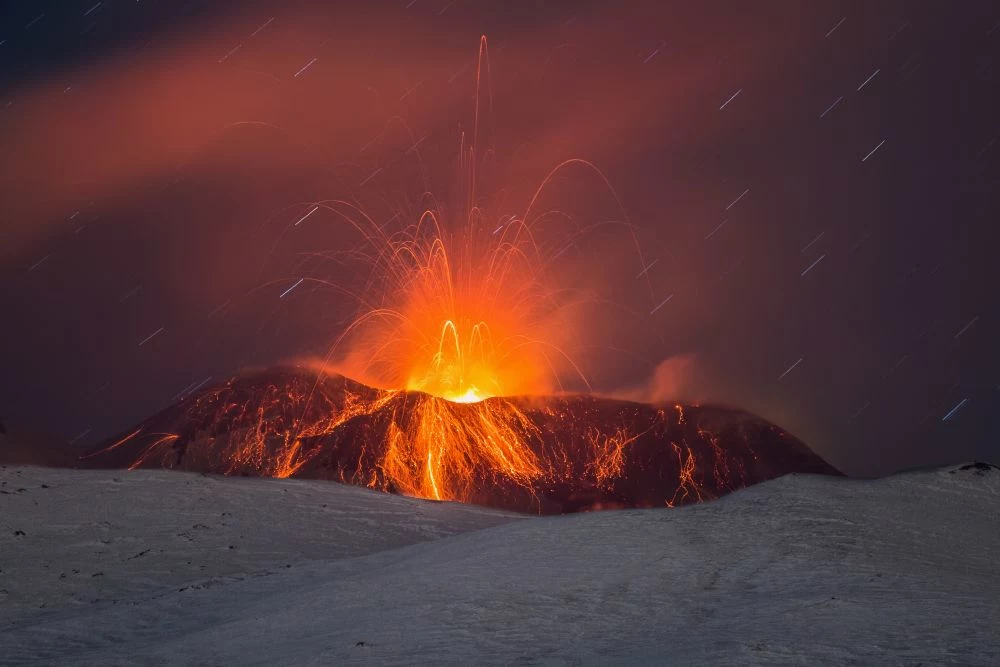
978,467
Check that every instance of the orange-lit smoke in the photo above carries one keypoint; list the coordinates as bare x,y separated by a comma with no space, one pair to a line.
671,379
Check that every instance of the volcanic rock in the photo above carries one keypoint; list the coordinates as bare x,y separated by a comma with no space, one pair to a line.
584,452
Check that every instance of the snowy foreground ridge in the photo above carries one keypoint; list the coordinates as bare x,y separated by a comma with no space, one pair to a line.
111,567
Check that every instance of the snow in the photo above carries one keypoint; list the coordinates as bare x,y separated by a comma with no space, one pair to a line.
800,570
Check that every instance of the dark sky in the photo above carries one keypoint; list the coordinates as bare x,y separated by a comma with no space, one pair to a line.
816,182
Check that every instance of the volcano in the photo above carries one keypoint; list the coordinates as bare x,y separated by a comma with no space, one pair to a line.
547,455
464,323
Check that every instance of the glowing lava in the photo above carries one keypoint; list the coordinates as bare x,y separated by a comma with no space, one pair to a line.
461,313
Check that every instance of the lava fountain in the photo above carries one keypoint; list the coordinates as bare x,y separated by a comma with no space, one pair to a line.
460,358
464,310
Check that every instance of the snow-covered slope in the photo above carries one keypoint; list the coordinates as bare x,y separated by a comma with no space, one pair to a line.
803,569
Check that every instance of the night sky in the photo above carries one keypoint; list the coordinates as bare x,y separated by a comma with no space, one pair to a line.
815,185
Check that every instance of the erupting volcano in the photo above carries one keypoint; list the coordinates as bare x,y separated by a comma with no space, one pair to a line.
536,454
453,379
